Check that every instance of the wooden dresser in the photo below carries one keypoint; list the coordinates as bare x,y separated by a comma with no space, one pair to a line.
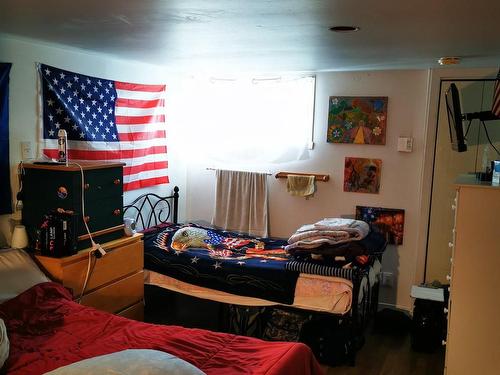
116,283
473,342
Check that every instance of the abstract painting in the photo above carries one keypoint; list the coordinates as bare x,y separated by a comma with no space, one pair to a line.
388,221
360,120
362,175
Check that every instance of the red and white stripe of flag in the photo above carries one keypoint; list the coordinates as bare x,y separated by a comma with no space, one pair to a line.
496,97
141,125
140,120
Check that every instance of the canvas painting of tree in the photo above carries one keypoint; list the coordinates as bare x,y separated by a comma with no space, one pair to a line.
359,120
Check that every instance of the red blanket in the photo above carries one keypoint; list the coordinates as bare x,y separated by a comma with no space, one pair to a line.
47,330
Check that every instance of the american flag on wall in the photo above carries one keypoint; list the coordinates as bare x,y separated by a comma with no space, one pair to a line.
496,96
106,120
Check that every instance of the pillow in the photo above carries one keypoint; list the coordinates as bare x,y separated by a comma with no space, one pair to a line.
18,272
130,362
4,344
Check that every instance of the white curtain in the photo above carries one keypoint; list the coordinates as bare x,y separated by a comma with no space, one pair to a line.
241,202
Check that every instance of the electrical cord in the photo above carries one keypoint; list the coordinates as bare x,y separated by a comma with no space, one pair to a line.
488,137
82,176
468,128
87,277
96,250
19,195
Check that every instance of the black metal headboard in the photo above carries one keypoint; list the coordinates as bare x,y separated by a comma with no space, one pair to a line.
150,209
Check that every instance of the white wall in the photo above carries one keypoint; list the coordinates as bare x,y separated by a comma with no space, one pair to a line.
401,172
23,125
405,181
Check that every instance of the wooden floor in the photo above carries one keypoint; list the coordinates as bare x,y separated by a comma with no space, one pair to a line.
386,351
389,354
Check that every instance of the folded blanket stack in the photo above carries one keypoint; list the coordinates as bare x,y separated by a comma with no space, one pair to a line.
329,231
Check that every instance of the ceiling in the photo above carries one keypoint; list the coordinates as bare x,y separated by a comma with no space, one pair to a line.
266,35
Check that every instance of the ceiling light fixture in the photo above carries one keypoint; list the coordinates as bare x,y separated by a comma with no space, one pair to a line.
344,29
449,60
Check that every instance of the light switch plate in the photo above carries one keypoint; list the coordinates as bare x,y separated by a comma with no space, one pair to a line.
405,144
26,150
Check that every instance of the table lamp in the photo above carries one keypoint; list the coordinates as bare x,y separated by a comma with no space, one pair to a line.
19,237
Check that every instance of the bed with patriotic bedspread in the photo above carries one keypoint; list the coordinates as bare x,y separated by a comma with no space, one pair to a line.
243,265
238,269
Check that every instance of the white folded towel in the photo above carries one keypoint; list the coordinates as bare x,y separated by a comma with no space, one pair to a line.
331,231
337,235
357,228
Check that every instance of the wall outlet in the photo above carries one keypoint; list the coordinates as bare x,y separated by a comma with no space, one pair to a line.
26,150
387,279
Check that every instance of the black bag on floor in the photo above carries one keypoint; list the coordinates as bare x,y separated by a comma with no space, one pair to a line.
328,338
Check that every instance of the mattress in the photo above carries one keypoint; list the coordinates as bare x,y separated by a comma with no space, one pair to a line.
312,292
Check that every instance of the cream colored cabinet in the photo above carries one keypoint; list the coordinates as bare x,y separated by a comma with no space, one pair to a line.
473,342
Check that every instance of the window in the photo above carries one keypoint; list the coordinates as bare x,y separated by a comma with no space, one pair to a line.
241,121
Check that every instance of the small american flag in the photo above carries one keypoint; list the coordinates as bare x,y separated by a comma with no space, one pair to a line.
496,96
106,120
228,242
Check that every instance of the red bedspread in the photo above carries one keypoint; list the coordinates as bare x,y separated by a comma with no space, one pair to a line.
47,330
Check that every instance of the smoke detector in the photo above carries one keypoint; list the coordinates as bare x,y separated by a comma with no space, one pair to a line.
449,60
344,29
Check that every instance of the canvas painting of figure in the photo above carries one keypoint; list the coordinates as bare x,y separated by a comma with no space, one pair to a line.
362,175
389,221
360,120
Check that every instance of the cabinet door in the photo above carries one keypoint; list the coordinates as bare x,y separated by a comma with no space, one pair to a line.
47,190
103,183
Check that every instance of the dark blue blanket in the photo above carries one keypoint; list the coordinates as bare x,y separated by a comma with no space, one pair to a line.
254,269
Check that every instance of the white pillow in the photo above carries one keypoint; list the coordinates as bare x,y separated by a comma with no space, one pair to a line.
130,362
4,343
18,272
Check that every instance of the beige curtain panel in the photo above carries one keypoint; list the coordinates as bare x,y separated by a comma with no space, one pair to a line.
241,202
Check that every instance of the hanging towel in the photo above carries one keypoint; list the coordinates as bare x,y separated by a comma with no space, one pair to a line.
301,186
241,202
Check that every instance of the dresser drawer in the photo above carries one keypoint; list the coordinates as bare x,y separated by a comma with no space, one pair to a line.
101,183
135,312
118,295
103,213
117,263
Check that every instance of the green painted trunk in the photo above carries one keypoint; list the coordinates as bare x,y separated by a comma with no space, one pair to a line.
48,188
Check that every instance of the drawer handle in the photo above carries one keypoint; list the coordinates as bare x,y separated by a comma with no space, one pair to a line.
443,342
448,277
117,181
445,310
86,186
117,212
87,219
450,244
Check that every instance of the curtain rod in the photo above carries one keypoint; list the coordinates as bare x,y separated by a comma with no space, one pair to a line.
214,169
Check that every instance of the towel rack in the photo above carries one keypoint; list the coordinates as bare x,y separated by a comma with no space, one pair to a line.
317,176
